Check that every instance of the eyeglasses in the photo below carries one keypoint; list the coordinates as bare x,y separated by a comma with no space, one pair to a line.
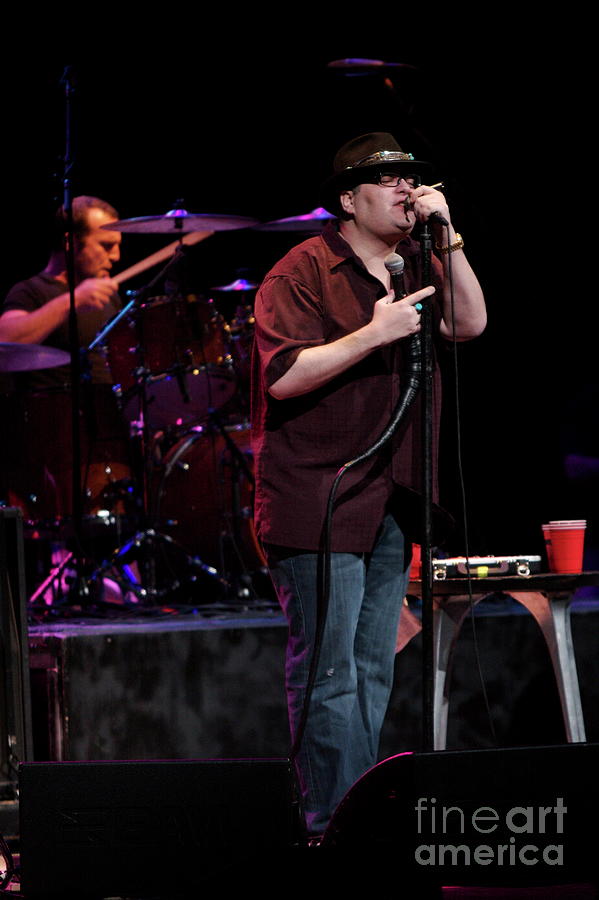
392,179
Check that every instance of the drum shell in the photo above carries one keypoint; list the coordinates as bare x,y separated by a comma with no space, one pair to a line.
40,459
204,498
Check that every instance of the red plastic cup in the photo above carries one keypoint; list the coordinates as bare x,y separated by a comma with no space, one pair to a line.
548,546
416,567
564,543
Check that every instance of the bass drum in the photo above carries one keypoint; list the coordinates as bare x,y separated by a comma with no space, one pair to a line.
203,499
40,466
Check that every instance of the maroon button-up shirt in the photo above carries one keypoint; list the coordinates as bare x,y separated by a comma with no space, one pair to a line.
319,292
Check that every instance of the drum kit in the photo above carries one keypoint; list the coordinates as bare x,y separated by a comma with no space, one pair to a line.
182,524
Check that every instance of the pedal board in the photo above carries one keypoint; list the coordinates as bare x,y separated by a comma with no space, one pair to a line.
485,566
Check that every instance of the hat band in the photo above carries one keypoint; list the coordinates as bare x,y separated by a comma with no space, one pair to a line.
382,156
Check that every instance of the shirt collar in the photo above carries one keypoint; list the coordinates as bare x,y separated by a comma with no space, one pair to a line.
340,250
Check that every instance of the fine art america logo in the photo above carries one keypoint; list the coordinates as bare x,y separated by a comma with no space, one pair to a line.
485,836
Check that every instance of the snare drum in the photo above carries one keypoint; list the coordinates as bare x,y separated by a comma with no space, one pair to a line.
177,348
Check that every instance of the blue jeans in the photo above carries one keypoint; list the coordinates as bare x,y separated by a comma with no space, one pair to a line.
356,665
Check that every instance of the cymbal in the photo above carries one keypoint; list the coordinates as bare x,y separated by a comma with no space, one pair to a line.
179,221
310,223
27,357
240,284
355,65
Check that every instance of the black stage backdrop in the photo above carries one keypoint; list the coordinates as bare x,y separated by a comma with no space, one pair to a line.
241,115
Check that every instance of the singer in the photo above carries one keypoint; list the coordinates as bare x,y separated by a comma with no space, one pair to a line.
329,340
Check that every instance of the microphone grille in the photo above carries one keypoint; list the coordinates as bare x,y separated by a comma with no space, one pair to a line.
394,263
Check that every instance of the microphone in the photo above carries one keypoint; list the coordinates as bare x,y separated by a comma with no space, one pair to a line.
435,218
412,363
394,264
438,219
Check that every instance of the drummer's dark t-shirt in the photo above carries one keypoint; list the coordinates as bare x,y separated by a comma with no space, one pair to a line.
34,293
37,462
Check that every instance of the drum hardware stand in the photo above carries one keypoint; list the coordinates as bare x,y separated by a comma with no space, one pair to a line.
216,422
53,578
118,568
69,249
241,580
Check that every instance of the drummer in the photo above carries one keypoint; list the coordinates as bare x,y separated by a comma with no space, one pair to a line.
36,311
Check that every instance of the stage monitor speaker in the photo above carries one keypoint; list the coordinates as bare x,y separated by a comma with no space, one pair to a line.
516,816
15,702
152,829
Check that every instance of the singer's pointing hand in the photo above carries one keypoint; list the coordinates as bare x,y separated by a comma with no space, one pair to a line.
393,320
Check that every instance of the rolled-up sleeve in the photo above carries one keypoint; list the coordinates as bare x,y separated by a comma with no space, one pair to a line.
289,319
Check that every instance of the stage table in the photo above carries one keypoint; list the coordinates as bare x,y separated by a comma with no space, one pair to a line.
547,597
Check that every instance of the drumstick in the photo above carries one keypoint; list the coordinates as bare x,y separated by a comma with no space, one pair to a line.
193,237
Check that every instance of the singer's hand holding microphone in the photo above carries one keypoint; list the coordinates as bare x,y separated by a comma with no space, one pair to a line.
429,205
398,314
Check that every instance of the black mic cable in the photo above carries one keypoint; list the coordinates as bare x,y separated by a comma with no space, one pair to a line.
463,500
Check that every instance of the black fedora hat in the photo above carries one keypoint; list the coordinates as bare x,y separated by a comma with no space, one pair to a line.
357,161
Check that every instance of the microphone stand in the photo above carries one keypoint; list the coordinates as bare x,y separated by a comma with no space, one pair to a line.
427,371
75,370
